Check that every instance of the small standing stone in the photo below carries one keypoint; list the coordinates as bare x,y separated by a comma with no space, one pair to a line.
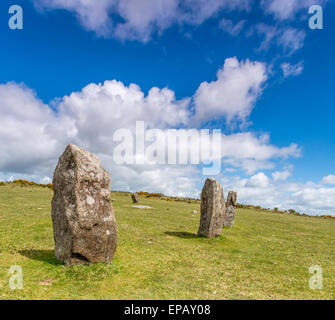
135,197
82,212
230,209
213,208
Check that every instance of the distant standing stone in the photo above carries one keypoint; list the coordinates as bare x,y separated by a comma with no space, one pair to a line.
135,197
230,209
82,213
213,208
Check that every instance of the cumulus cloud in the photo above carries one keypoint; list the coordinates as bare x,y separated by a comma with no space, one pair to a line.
281,175
24,120
254,153
307,198
259,180
33,135
292,69
330,179
318,200
233,94
256,190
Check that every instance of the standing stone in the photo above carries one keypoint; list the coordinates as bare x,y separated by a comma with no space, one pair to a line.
213,208
82,213
135,197
230,209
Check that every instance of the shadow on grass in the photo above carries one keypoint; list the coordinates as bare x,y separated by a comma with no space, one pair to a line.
47,256
184,235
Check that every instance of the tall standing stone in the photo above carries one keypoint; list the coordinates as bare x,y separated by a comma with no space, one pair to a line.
213,208
82,213
230,209
135,197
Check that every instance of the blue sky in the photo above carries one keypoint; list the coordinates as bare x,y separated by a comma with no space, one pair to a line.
65,46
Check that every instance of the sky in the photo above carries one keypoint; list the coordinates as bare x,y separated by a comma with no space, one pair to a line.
80,70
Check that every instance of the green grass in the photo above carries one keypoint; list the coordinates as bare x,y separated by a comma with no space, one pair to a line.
264,256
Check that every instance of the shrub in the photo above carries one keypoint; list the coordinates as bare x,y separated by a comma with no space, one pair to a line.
147,194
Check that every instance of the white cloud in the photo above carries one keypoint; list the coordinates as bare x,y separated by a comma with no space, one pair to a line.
256,190
197,11
288,9
234,29
143,18
259,180
182,181
46,180
33,136
246,145
140,20
330,179
233,94
319,200
93,15
291,69
307,198
281,175
292,39
24,121
288,38
251,153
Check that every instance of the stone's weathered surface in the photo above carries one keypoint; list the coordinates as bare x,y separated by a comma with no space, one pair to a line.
82,213
135,197
213,208
230,209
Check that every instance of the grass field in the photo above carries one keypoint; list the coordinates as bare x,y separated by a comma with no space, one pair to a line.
264,256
